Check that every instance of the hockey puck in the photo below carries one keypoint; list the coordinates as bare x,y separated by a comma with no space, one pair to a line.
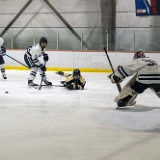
6,92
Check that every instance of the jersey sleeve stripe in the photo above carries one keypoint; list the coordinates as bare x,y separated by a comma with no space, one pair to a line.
122,71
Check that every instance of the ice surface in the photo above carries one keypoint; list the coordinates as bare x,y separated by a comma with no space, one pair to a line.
58,124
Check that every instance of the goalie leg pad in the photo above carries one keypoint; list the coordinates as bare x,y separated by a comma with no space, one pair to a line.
128,101
126,97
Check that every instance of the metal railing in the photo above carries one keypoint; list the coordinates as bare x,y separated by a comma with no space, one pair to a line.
63,39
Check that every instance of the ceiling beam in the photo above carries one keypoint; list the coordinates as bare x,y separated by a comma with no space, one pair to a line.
15,18
66,23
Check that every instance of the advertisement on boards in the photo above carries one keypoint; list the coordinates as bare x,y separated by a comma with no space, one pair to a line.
147,7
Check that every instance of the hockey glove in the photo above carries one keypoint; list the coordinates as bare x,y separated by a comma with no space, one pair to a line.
77,81
43,68
115,79
45,57
64,83
70,86
60,73
151,63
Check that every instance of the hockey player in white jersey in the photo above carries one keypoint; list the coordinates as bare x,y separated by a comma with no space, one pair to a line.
2,53
31,58
146,74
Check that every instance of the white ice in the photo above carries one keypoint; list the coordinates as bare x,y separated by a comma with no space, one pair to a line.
57,124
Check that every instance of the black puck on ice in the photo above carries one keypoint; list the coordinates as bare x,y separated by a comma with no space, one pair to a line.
6,92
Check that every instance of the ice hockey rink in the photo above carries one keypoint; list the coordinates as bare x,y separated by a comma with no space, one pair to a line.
58,124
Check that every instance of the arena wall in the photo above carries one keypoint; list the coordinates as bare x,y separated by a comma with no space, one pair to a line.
92,61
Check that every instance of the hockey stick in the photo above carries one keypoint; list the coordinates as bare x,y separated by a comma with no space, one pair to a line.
17,61
118,85
40,86
53,85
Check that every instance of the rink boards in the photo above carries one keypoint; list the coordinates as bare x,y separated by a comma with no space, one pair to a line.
87,61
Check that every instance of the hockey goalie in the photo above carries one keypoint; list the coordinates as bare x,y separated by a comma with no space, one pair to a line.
145,74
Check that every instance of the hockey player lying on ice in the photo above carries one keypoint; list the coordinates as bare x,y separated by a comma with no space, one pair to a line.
146,75
73,81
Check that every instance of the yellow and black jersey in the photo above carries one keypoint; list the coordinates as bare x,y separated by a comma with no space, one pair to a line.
72,83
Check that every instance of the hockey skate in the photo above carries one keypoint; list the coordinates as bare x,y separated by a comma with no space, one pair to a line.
4,77
31,84
47,83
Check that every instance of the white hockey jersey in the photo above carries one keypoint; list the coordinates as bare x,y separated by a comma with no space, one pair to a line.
2,47
148,72
1,41
34,52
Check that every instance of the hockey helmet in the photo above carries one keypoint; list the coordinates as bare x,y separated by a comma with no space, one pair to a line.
139,54
43,40
76,72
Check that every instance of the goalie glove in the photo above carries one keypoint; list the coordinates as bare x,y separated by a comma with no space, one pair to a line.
115,79
60,73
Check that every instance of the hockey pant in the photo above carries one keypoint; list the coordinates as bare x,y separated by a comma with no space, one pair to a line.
156,89
139,87
28,61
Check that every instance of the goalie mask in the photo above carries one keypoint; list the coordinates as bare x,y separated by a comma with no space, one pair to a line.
139,54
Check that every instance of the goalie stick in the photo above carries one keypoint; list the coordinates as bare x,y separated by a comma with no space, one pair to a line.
118,85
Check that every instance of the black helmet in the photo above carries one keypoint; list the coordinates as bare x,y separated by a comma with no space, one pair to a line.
76,72
43,40
139,54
